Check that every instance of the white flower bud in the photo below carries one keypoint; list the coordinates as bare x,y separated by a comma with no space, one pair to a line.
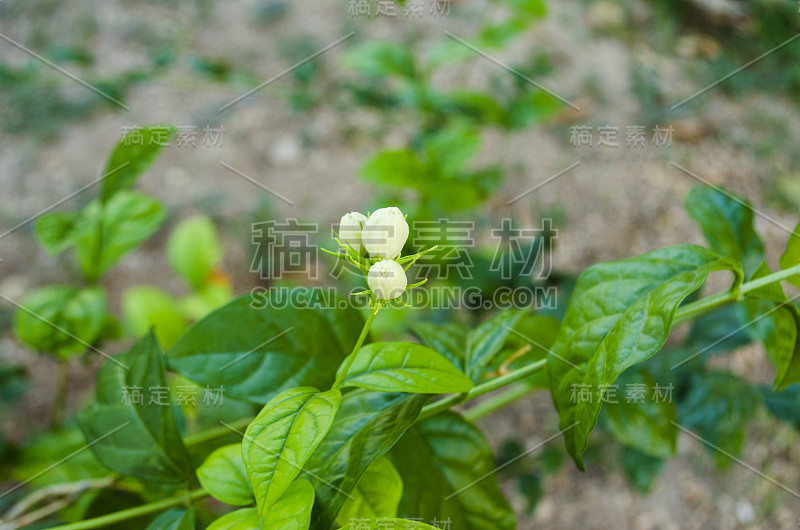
350,229
387,279
385,233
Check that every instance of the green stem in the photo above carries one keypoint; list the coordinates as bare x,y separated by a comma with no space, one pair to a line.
130,513
483,388
352,357
215,432
499,401
703,305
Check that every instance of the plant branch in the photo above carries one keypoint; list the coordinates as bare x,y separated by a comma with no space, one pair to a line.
709,303
352,357
499,401
130,513
483,388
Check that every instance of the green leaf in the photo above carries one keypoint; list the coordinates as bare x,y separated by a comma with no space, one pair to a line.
529,8
388,524
367,425
174,519
447,465
478,106
293,509
145,307
784,405
538,332
128,162
242,519
485,341
58,231
497,35
533,107
448,339
772,319
727,224
395,168
619,315
194,250
717,331
379,59
717,408
404,367
224,476
791,257
282,438
291,338
62,319
126,220
377,495
34,463
13,382
199,304
450,149
644,424
641,469
137,439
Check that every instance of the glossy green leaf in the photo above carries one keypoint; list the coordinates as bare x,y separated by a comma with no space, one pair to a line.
644,421
137,436
293,509
116,228
367,425
448,339
292,338
485,341
62,319
283,436
224,476
717,408
388,524
727,224
772,319
241,519
447,468
791,256
194,250
174,519
377,494
619,315
127,162
404,367
145,307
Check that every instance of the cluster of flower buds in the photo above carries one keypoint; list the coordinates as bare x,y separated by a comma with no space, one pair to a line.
374,244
